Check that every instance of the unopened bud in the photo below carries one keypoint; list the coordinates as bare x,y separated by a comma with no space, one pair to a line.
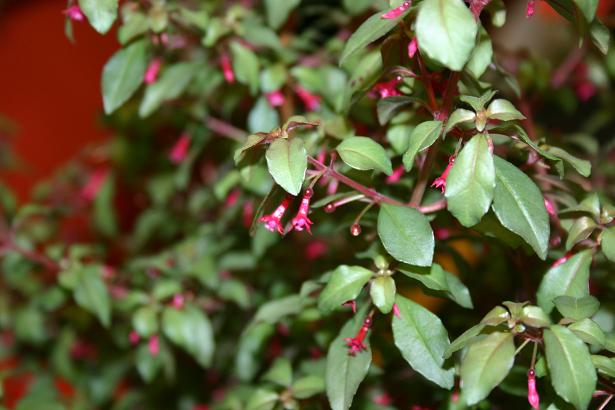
355,229
330,207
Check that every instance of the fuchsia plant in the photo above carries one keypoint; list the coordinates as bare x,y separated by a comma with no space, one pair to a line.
365,205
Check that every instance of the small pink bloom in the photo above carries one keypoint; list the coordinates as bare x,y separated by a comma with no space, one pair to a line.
532,393
386,89
133,337
530,10
393,14
550,208
311,101
153,345
151,73
413,45
442,233
396,310
178,301
232,197
272,221
477,6
301,220
179,152
355,344
94,183
248,213
275,98
440,182
396,175
315,250
562,260
227,68
74,13
585,90
383,399
352,304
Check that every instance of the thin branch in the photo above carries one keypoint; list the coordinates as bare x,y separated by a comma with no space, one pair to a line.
225,129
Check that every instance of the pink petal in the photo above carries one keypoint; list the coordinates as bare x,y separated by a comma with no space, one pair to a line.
392,14
151,74
179,152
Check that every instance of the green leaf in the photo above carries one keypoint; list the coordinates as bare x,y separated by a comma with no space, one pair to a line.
345,283
519,206
371,30
91,293
190,329
503,110
422,137
280,372
446,32
422,340
588,8
145,321
605,365
262,399
588,331
386,108
104,211
406,234
100,13
572,374
600,35
577,308
470,185
582,166
570,278
262,117
123,74
485,365
287,163
307,387
169,86
607,243
459,116
535,317
580,230
481,57
249,351
364,153
466,337
277,11
382,292
344,372
438,279
496,316
246,66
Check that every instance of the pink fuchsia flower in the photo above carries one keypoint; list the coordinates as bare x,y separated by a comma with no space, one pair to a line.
396,175
275,98
272,221
134,337
477,6
179,152
153,345
396,310
393,14
311,101
74,13
227,68
94,183
386,89
532,393
301,220
531,8
178,301
355,344
151,73
440,182
413,46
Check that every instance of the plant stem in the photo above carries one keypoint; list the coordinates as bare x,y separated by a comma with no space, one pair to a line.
605,402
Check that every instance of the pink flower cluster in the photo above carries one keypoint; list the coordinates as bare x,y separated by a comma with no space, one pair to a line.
273,221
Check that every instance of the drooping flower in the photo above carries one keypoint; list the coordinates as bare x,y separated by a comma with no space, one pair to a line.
311,101
477,6
531,8
275,98
396,12
413,45
134,337
355,344
386,89
396,175
179,152
153,345
440,182
151,73
301,220
94,183
227,68
74,13
272,221
532,393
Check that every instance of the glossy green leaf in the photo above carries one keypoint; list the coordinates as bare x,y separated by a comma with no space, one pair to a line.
388,107
344,373
570,278
145,321
464,339
470,184
572,374
577,308
123,74
459,116
503,110
519,206
422,340
422,137
277,11
190,329
436,278
481,57
588,331
308,386
249,350
580,230
607,243
600,35
534,316
446,32
382,292
262,117
588,8
287,163
485,365
364,153
91,293
280,372
345,283
582,166
262,399
100,13
496,316
406,234
169,86
246,66
604,365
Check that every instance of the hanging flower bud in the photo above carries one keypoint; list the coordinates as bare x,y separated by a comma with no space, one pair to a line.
94,183
153,345
179,152
311,101
413,45
301,221
392,14
440,182
151,73
272,222
355,344
227,68
396,175
275,98
355,229
178,301
550,208
330,207
74,13
532,393
133,337
530,10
